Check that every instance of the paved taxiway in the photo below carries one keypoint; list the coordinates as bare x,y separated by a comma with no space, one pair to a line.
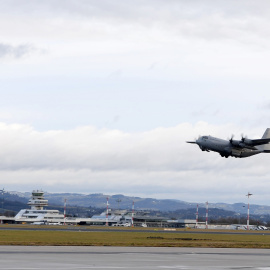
69,258
124,229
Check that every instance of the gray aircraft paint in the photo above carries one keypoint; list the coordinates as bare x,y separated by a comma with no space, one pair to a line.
235,148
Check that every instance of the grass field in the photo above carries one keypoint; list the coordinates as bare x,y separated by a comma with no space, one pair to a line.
124,238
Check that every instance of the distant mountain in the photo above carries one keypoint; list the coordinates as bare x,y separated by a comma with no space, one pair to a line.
82,205
12,203
14,196
120,201
242,208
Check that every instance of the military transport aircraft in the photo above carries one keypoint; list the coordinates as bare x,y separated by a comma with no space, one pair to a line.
238,149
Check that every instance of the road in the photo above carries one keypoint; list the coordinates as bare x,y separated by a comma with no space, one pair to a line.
70,258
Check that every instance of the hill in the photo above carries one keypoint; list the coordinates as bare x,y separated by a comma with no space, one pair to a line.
120,201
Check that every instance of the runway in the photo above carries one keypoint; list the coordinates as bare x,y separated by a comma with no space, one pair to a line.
70,258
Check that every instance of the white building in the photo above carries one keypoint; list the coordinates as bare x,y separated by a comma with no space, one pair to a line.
37,214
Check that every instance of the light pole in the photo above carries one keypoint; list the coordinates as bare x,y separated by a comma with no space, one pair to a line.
65,206
197,216
107,213
2,190
206,216
248,195
132,217
1,221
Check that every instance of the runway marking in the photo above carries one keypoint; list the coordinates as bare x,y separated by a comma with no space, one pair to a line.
102,267
70,268
174,267
66,267
126,267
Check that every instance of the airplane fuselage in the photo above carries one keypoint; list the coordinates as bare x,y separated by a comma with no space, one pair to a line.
224,148
235,148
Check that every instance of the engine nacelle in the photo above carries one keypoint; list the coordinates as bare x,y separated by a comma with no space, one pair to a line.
235,142
247,141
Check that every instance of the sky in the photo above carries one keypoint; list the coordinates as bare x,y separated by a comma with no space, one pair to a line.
101,97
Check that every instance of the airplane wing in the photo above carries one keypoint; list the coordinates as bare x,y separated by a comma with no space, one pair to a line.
249,144
259,142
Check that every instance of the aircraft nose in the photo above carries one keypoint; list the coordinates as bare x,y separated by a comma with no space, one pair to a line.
196,141
192,142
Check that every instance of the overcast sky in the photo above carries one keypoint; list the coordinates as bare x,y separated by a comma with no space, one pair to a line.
100,96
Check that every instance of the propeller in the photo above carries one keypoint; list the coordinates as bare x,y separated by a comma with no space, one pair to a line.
247,142
243,138
243,143
195,140
231,139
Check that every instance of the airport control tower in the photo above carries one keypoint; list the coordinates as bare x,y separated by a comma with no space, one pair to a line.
37,201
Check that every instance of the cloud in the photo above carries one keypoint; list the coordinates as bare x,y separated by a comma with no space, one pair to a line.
18,51
186,38
226,20
154,163
86,147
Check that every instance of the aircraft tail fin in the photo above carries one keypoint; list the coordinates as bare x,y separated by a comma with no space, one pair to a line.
265,147
266,134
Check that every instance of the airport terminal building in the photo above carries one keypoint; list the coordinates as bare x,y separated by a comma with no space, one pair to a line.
38,215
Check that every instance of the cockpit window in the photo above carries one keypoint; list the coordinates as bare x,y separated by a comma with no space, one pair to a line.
205,137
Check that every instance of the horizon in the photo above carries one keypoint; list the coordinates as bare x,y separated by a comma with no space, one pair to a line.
131,196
